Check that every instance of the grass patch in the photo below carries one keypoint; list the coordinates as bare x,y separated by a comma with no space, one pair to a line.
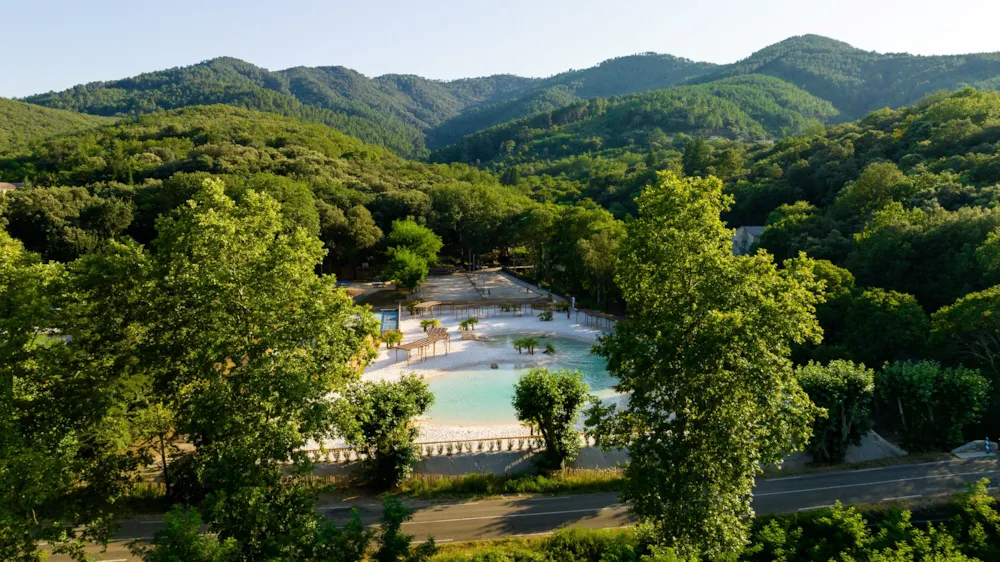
568,544
566,481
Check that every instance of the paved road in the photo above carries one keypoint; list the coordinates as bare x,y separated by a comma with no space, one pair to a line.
475,520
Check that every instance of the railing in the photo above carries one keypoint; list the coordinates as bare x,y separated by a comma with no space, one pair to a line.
527,443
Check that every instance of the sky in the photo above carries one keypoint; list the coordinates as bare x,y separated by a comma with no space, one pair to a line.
56,44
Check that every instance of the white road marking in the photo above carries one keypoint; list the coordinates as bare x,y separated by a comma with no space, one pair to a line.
814,507
512,515
849,471
902,498
821,488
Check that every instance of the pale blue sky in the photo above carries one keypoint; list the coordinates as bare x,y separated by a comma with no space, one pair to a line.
54,44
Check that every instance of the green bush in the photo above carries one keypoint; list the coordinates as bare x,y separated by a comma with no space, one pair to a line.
846,391
930,404
545,316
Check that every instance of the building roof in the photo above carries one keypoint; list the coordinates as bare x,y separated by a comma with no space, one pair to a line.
755,230
8,186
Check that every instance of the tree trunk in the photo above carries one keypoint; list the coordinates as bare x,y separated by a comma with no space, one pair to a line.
163,461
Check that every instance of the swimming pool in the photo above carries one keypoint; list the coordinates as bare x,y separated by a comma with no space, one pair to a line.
480,395
389,320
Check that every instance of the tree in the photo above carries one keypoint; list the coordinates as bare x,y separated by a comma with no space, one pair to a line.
846,391
884,326
394,546
181,539
552,402
988,255
418,239
697,157
968,331
406,268
930,404
392,338
528,343
429,323
69,444
704,356
379,421
880,183
599,254
468,324
237,312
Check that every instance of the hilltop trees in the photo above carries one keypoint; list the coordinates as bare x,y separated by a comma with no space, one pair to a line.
705,358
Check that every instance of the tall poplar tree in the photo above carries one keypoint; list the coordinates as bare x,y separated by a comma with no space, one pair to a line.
705,359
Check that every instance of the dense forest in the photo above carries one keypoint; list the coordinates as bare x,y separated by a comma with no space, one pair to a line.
746,107
21,124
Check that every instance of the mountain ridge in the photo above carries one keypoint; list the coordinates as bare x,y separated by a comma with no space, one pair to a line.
415,115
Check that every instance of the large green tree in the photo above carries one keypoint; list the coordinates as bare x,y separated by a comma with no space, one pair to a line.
846,391
552,402
884,326
70,397
247,345
379,420
417,238
705,359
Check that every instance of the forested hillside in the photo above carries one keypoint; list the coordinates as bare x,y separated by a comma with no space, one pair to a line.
747,107
409,113
234,82
856,81
22,123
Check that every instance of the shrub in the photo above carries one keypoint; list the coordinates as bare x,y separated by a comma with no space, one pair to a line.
412,307
930,404
545,316
392,338
550,349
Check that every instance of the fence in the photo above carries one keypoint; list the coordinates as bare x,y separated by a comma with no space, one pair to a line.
526,443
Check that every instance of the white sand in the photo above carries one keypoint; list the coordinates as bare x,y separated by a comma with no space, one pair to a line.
464,353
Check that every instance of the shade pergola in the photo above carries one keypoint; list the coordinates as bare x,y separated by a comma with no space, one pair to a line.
434,335
598,319
426,307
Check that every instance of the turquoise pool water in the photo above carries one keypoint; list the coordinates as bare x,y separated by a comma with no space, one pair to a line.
480,395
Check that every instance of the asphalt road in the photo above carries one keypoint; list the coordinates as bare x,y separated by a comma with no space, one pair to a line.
479,520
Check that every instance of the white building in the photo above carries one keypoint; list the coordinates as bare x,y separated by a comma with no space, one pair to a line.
746,237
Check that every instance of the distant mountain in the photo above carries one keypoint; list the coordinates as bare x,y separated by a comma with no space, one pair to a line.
614,77
409,113
751,107
856,81
392,110
23,123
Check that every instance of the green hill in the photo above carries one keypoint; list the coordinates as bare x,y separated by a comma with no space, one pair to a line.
411,114
745,107
392,110
23,123
856,81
